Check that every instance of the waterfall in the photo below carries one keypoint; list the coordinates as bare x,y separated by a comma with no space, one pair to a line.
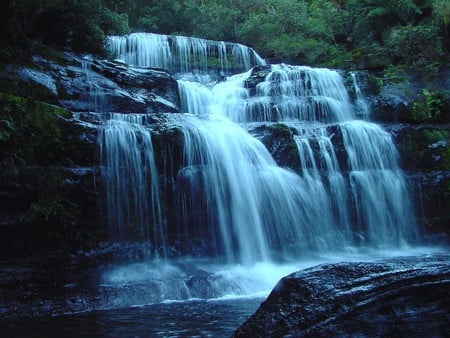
310,100
383,208
362,108
131,181
96,96
187,56
229,191
140,49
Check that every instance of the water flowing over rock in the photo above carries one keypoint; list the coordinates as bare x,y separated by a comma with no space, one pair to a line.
127,154
187,56
227,190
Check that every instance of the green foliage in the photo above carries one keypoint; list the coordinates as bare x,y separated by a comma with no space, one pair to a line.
432,107
298,31
434,135
160,17
6,129
446,165
114,23
395,74
352,33
31,136
438,105
441,11
210,13
30,133
53,211
419,47
79,25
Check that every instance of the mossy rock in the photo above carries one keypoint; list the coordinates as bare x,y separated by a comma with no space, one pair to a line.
425,147
39,195
14,82
49,208
431,106
432,198
368,58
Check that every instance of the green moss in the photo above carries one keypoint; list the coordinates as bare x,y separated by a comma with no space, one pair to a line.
35,143
279,129
425,148
12,84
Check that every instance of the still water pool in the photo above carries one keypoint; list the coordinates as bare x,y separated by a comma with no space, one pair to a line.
195,318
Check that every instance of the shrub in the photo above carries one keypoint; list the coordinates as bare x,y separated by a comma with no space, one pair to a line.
419,47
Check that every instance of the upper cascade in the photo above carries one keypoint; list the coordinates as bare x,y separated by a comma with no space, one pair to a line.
183,55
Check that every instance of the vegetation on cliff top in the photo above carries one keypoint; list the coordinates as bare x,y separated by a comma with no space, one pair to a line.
337,33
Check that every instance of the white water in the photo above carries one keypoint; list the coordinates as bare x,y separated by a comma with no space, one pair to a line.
187,56
133,209
192,279
231,193
313,208
362,108
96,95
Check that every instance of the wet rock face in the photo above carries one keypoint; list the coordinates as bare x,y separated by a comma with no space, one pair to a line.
83,84
396,297
278,139
423,147
424,152
68,211
431,199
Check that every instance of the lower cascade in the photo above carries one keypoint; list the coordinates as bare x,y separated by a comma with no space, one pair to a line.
206,184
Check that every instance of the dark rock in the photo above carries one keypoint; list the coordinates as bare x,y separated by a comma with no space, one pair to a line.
431,196
257,76
396,297
389,107
47,208
107,86
422,147
279,140
81,84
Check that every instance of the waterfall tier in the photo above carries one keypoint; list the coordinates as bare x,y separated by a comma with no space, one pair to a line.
184,55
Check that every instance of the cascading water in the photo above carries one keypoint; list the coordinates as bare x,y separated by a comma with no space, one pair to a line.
188,57
228,192
361,105
312,101
379,190
95,93
128,169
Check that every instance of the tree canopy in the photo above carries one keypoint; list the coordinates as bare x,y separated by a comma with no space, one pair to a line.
335,33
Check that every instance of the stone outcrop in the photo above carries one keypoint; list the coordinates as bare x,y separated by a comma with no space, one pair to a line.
50,180
394,297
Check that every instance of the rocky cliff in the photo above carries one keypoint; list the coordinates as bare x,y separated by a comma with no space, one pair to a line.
52,108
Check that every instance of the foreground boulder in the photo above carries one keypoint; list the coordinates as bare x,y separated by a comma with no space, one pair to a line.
401,297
